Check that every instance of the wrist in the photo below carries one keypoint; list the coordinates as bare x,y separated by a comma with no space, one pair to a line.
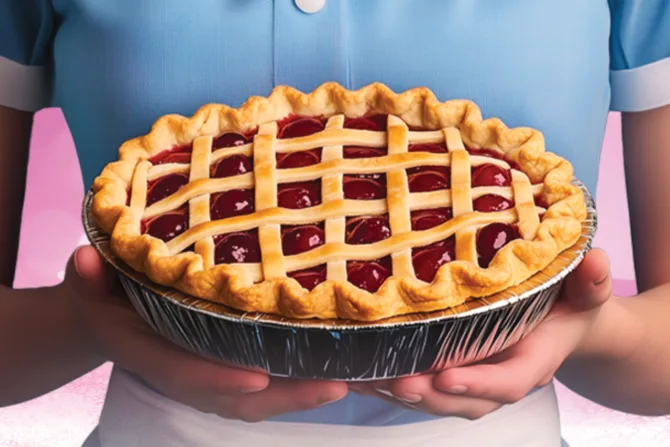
614,336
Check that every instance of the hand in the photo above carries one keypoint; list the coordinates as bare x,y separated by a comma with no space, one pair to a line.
475,390
124,338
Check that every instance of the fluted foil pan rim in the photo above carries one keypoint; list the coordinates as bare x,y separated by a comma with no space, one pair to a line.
553,274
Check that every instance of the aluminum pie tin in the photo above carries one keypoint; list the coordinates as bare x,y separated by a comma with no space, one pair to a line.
348,350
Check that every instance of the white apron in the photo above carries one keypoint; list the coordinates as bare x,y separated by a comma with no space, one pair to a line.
134,415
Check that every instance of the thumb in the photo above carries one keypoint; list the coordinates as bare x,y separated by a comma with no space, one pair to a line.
86,269
590,285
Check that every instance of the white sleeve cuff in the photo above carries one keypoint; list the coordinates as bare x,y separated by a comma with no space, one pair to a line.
643,88
22,87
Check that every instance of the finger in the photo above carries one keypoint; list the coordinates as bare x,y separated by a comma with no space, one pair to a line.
284,396
88,274
132,344
526,365
590,285
172,369
87,269
419,393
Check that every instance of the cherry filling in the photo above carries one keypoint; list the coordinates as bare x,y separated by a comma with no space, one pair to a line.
232,166
309,278
490,175
235,202
363,152
298,159
299,195
427,260
492,238
231,139
369,275
164,186
491,202
364,186
167,226
238,247
425,219
301,238
179,154
296,126
428,178
372,122
367,229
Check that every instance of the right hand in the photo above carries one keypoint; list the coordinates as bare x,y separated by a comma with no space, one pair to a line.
121,336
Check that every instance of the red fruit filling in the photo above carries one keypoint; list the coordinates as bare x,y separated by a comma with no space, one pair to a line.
490,175
235,202
309,278
179,154
238,247
425,219
296,126
364,186
363,152
367,229
299,195
372,122
426,260
491,202
369,275
232,166
492,238
231,139
301,238
428,178
164,186
167,226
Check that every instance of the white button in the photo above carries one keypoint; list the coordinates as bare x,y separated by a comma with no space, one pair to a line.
310,6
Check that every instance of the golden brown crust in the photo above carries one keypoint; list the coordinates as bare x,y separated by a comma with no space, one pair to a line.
454,283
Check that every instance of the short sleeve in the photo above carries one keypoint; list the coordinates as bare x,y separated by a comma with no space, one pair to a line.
640,54
26,30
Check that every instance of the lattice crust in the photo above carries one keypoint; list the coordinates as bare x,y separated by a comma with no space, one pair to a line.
265,287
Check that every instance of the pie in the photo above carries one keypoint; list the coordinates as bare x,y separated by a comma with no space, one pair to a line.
338,204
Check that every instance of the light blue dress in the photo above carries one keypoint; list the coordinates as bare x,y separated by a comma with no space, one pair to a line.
556,65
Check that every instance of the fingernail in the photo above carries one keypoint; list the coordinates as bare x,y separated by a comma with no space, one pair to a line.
324,400
251,390
458,389
411,398
386,393
74,260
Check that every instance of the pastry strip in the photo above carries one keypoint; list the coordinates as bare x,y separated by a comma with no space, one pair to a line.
265,176
199,206
398,197
461,194
332,189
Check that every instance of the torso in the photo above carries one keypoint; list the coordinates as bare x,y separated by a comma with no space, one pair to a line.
119,65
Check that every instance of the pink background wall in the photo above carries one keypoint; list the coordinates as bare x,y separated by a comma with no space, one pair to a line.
51,229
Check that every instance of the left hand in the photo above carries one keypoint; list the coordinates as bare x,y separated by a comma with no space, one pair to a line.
473,391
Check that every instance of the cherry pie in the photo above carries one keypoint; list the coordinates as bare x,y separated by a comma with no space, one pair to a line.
339,204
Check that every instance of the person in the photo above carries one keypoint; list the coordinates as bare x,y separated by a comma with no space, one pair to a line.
558,66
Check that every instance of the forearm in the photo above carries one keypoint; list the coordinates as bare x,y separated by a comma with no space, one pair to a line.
42,345
624,362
